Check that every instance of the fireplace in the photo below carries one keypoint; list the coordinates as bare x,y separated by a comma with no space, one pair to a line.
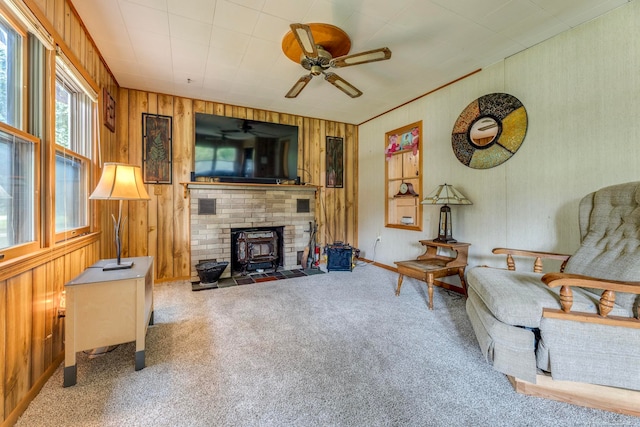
218,209
256,248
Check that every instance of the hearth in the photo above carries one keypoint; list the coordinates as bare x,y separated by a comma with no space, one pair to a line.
256,248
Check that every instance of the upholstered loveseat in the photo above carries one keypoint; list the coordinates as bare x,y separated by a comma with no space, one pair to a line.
579,325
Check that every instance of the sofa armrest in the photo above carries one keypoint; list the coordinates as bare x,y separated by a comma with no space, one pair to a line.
539,256
607,299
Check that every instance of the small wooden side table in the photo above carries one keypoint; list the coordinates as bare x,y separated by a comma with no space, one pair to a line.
431,266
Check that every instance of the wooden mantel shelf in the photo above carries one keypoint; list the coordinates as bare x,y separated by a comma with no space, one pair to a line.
247,186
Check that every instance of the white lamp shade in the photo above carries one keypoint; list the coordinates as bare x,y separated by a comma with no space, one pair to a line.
120,181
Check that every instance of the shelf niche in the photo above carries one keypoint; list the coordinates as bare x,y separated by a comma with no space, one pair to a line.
403,166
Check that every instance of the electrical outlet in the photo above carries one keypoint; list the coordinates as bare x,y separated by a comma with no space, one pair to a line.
379,238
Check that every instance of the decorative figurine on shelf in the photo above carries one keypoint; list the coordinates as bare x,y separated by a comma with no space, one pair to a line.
392,147
415,140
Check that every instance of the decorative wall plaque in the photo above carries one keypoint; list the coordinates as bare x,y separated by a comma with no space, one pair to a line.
489,131
109,107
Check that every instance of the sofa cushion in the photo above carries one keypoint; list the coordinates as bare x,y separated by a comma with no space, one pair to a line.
518,298
509,348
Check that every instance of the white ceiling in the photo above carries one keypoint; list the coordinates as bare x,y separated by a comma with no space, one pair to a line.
230,50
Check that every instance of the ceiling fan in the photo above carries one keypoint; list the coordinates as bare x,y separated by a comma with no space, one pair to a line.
319,47
246,127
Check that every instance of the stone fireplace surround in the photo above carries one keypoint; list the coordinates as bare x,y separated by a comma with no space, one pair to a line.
233,206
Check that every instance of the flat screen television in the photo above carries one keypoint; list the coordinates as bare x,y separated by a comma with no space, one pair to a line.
239,150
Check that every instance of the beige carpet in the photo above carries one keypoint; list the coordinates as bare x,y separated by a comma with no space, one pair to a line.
335,349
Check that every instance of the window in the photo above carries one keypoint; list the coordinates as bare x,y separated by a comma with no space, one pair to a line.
225,160
74,138
19,151
218,160
17,190
10,74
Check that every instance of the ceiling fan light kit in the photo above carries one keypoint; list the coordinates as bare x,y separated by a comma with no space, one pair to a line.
318,47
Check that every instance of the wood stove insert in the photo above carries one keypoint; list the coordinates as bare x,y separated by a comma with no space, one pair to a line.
256,248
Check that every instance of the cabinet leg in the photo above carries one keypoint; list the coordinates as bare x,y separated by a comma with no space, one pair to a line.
139,360
399,284
70,375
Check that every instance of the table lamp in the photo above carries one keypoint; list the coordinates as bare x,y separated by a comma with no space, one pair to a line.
445,195
120,182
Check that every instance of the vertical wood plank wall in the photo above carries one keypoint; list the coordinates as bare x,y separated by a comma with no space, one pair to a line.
160,227
31,333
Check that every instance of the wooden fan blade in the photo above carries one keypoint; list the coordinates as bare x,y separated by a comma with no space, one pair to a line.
361,58
303,35
342,84
297,88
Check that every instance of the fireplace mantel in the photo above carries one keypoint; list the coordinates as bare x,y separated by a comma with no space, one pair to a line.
246,186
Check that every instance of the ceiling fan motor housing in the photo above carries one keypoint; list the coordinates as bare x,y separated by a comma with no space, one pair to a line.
316,65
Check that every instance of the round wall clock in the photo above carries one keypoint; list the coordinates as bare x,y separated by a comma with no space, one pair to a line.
489,131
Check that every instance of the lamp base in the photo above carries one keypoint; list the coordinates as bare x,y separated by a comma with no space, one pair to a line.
114,266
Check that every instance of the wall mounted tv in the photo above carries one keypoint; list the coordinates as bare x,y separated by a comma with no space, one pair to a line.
238,150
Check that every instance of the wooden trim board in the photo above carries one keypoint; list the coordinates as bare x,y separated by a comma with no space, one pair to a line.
622,401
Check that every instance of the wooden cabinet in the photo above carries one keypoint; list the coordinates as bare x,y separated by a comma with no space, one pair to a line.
106,308
403,178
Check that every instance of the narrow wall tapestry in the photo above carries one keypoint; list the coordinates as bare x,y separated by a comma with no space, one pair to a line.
156,150
335,162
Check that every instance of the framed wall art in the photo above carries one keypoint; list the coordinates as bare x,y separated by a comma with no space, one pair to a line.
335,162
156,149
109,107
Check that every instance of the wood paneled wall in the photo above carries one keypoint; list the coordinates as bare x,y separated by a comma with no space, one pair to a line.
160,227
31,333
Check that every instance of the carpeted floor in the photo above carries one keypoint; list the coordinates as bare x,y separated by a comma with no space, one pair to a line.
334,349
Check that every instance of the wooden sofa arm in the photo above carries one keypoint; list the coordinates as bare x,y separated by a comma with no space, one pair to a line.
539,256
607,299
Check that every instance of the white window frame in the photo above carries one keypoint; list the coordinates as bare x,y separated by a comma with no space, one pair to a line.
71,202
15,88
20,201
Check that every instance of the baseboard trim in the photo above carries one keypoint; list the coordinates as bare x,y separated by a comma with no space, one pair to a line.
622,401
377,264
13,416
